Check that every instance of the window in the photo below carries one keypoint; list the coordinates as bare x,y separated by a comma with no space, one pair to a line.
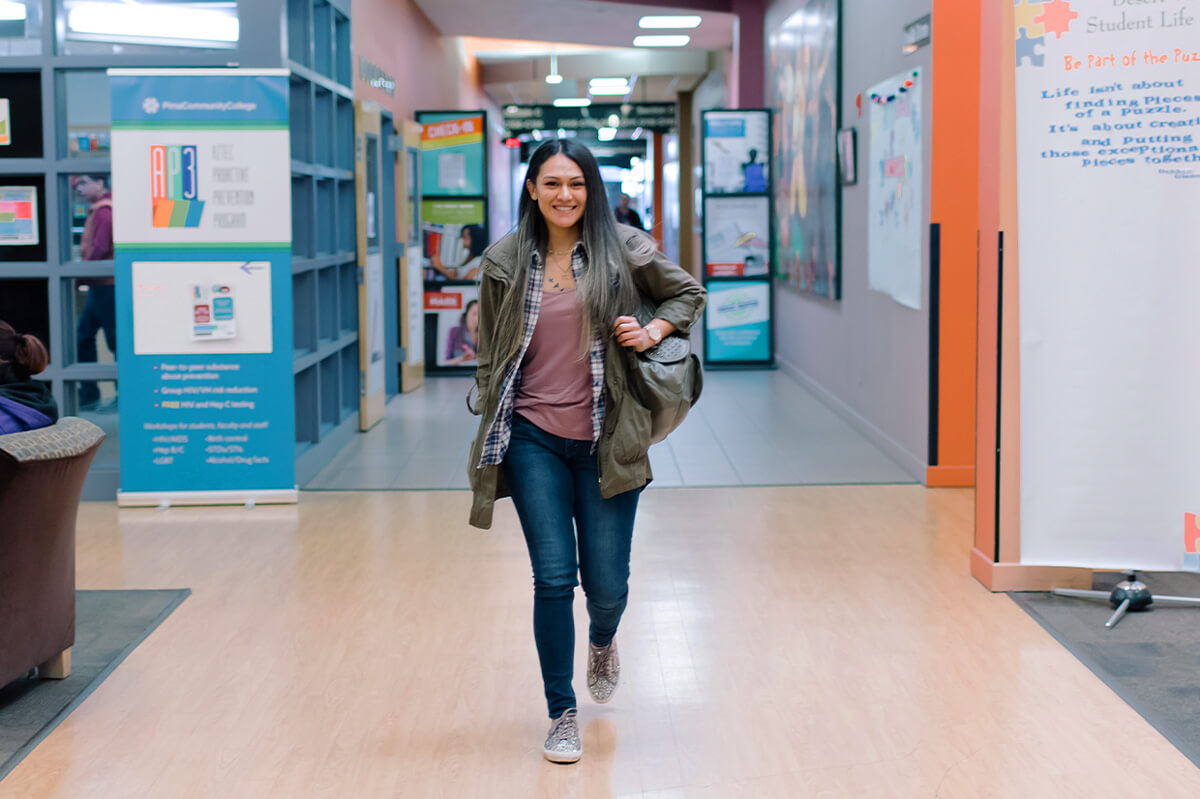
20,27
106,27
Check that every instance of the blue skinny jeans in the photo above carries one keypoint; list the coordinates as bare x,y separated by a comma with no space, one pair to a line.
572,533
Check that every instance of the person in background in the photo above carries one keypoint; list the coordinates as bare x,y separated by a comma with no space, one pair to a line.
626,215
473,243
100,309
463,342
25,403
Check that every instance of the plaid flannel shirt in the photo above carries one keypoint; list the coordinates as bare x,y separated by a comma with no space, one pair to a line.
495,444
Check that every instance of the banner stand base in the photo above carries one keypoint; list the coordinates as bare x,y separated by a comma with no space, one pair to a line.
167,499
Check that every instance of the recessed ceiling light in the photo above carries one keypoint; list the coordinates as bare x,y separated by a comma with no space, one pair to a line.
661,41
613,120
572,102
608,90
609,82
679,22
606,134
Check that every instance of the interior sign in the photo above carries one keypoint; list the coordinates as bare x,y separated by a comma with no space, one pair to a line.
375,76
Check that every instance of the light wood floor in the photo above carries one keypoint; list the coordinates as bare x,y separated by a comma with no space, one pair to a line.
780,642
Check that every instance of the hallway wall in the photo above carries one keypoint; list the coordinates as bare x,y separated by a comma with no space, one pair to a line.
432,72
868,355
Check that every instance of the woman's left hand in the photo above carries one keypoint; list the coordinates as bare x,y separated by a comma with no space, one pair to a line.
630,333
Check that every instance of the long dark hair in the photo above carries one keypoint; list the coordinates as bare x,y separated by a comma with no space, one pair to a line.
606,288
20,356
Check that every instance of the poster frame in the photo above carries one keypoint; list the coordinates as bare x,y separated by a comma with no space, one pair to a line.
769,277
431,367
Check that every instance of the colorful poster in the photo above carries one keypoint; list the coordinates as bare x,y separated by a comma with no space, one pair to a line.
456,311
452,153
737,322
896,195
1108,171
454,236
5,123
802,88
737,236
202,230
736,152
18,216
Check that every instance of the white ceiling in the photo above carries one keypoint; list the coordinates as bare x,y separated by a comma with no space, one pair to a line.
567,21
571,30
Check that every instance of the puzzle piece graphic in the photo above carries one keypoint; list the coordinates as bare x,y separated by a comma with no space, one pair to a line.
1056,17
1191,542
1026,13
1031,49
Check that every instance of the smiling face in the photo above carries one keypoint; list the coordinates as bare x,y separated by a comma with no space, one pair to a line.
560,192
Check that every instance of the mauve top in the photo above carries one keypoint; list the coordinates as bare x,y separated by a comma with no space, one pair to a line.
555,389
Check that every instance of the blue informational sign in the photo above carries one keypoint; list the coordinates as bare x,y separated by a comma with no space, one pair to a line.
202,233
737,325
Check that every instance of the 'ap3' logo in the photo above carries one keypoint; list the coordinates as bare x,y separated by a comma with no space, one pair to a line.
174,185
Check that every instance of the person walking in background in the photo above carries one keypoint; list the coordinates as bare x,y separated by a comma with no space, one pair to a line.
25,403
626,215
561,433
100,309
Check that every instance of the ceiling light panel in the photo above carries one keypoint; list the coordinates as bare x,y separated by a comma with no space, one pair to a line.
677,22
661,41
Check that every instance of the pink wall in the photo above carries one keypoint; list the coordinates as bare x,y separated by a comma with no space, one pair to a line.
428,68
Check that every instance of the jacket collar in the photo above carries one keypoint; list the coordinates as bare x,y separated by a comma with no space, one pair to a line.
500,259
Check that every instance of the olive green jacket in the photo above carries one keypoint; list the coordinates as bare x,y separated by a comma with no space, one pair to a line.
625,434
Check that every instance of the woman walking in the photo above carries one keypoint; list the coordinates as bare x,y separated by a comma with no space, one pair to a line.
561,433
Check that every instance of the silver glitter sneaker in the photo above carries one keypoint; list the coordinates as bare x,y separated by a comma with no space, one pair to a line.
563,744
604,670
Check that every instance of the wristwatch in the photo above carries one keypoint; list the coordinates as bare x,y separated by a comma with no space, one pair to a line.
654,333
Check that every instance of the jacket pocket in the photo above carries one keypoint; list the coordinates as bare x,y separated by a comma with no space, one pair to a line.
631,436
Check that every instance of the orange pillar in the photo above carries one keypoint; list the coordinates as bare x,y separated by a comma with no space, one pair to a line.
954,206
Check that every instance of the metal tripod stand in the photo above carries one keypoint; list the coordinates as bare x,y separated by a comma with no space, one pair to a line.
1129,594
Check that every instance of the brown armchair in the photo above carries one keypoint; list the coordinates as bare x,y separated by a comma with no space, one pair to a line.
41,477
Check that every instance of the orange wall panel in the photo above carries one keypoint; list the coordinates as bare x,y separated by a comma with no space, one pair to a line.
954,206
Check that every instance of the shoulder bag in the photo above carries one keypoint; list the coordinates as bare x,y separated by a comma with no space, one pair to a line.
666,379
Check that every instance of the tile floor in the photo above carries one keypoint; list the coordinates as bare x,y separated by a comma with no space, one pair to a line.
749,428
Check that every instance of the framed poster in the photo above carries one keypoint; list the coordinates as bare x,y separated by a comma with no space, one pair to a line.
804,89
21,114
737,236
736,152
22,218
453,238
452,326
453,153
737,323
18,216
